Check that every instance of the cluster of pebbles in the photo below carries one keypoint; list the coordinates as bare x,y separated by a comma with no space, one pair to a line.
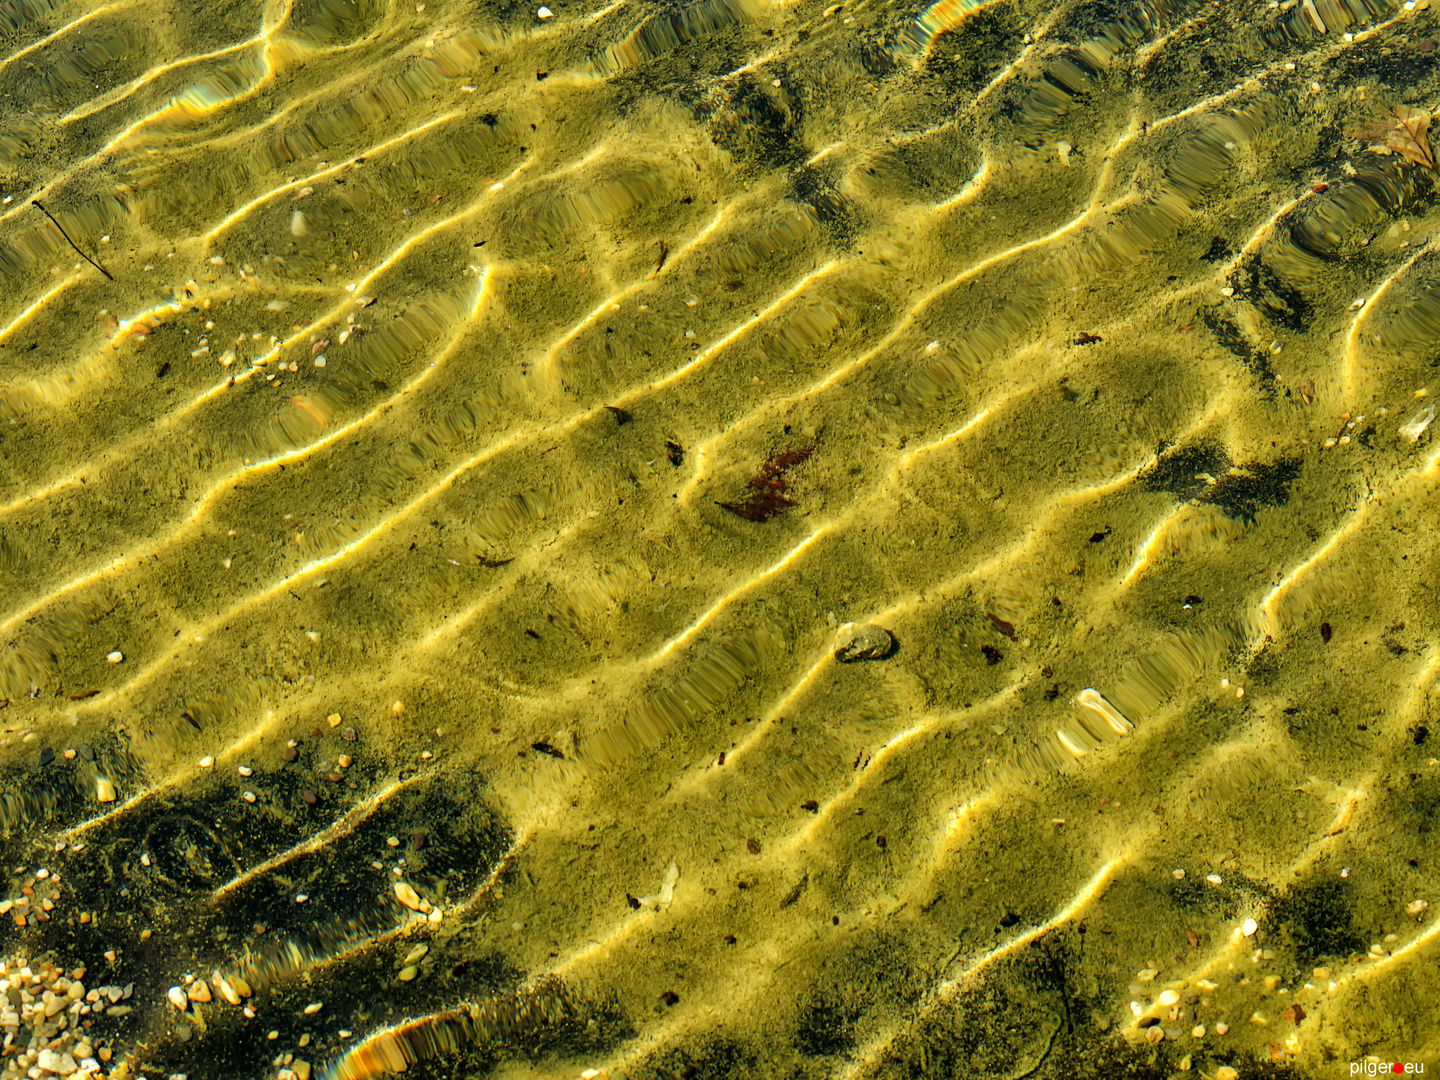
48,1019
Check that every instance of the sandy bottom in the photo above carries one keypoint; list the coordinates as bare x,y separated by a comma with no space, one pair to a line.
443,446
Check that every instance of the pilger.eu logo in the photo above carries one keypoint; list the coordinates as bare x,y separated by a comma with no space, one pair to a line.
1386,1068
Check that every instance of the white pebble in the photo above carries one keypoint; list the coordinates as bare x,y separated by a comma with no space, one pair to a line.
115,657
248,796
1412,431
1248,927
207,762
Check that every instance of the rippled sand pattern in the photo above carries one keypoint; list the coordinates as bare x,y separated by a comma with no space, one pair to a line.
433,524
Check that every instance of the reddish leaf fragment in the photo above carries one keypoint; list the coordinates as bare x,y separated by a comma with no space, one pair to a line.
758,506
1006,628
767,492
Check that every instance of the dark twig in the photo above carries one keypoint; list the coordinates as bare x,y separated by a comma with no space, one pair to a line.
87,258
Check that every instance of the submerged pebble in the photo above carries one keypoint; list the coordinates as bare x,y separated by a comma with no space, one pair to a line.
862,642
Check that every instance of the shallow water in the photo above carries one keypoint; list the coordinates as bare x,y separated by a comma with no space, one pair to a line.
442,444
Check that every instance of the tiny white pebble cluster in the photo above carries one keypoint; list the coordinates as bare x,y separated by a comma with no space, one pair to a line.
47,1017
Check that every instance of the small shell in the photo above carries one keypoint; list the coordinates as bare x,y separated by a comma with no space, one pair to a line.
1095,702
867,642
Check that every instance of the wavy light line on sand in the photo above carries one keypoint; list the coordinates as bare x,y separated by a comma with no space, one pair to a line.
1349,358
870,1057
56,35
545,368
340,827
